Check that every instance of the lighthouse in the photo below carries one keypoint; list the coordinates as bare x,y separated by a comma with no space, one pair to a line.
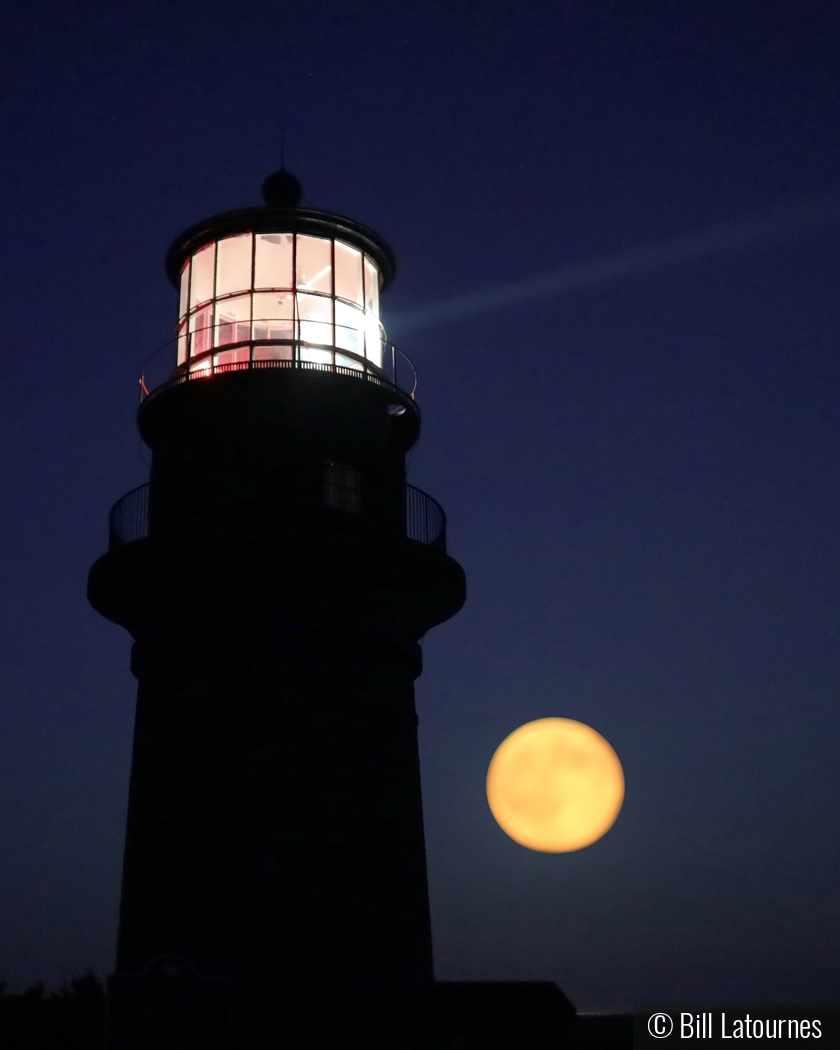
276,575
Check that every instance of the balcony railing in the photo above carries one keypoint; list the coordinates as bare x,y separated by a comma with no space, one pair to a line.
425,520
129,517
313,345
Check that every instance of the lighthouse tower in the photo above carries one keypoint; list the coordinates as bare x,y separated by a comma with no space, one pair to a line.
276,574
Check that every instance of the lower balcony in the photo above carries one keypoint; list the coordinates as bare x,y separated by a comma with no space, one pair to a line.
425,520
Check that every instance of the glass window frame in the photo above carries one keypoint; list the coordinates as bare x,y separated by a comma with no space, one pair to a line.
368,310
342,487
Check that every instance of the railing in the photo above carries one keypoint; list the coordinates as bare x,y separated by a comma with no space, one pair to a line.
315,345
129,517
425,520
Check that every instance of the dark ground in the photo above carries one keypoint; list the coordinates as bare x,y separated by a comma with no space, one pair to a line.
73,1019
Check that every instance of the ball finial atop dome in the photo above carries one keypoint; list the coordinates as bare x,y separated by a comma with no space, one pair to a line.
281,190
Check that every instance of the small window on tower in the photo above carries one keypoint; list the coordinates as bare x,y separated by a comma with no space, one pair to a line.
342,487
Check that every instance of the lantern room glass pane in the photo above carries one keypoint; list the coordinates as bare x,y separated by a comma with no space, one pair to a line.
274,315
204,367
273,260
274,353
233,318
185,288
203,273
240,356
317,357
315,318
233,269
273,305
371,287
348,273
348,362
313,262
201,327
349,327
374,339
182,342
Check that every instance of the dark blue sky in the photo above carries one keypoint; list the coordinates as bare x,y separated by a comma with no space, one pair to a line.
640,469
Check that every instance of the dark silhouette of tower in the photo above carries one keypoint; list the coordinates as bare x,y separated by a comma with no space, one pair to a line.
276,575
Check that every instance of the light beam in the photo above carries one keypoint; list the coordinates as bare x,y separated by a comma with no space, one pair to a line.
701,244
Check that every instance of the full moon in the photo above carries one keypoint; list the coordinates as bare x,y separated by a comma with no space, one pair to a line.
555,785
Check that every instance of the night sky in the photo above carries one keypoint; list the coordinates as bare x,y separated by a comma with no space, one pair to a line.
616,229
